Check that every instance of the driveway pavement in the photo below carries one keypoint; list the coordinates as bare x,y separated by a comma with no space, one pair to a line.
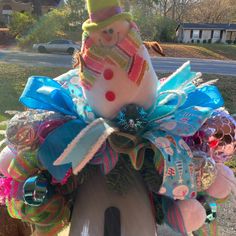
161,64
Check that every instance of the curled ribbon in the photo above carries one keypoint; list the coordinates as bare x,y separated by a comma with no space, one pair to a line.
131,145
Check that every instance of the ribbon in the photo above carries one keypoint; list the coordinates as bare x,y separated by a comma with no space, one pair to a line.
106,157
46,94
55,144
211,229
48,215
91,139
23,166
174,115
177,112
70,82
173,216
178,173
132,145
36,190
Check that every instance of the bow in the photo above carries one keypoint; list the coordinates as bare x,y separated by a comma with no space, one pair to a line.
180,110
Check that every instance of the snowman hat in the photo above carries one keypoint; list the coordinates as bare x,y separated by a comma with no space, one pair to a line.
103,13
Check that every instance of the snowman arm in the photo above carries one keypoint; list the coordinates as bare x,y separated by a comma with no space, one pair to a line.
155,46
78,61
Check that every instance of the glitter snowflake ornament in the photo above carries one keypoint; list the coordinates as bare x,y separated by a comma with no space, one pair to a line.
132,119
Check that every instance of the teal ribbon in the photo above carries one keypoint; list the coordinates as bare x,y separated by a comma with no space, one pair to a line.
85,145
36,190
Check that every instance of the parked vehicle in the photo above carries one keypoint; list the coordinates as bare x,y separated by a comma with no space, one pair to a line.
59,45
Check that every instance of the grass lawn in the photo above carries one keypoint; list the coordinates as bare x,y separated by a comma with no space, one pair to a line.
12,81
205,51
228,51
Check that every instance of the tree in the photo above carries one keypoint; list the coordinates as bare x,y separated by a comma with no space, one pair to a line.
37,7
213,11
77,13
126,4
146,19
49,27
175,9
165,28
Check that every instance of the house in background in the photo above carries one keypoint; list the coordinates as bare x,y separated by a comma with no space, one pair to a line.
211,33
7,7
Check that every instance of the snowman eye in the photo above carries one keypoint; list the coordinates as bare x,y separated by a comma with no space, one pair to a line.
110,31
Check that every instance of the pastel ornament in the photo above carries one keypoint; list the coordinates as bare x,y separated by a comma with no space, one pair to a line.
205,170
23,166
193,214
224,183
217,137
223,136
6,156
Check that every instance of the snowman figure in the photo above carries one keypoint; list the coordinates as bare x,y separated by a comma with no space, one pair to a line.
116,68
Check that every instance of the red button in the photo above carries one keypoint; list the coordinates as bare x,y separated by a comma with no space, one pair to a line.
110,96
108,74
193,194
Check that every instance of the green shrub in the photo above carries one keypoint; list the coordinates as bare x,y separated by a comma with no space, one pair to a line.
209,41
229,41
2,24
77,14
147,25
165,28
153,26
204,41
20,24
49,27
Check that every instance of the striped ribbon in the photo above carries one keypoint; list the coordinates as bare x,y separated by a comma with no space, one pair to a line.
173,216
106,157
49,218
208,230
131,145
23,166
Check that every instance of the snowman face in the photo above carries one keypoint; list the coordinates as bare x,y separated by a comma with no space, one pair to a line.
111,34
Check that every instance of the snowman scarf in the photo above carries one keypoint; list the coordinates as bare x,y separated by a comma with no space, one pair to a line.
123,55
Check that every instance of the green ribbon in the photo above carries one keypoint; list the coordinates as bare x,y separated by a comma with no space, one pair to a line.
135,147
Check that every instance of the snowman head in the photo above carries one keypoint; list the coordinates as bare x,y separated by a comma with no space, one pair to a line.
114,67
110,35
